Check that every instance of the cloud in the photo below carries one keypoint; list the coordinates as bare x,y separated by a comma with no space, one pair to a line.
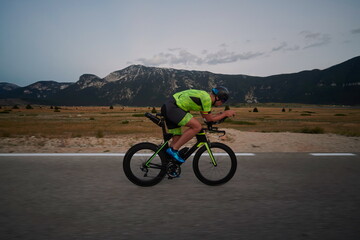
281,47
355,31
224,56
284,47
315,39
176,56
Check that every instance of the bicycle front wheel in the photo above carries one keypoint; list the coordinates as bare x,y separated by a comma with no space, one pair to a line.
218,170
142,166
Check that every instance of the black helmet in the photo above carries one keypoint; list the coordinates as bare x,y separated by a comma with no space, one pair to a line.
221,92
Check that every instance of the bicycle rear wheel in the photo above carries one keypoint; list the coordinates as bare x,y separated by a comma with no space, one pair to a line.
211,174
135,168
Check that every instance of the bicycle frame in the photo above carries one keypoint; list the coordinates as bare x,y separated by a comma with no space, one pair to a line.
201,141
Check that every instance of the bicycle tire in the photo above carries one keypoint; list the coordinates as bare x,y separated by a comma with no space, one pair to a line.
134,169
212,175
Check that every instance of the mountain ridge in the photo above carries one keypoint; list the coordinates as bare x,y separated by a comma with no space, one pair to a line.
138,85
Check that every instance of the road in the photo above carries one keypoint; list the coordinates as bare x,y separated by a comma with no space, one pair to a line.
272,196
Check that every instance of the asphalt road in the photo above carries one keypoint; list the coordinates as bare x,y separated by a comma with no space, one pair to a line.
272,196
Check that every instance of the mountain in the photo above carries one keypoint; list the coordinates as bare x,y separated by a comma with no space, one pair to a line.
138,85
37,92
7,87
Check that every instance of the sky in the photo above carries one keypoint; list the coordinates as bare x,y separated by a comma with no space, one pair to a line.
60,40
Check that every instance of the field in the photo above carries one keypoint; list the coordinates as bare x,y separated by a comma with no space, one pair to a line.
75,122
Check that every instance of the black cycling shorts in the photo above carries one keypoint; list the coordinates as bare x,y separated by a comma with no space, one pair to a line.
175,117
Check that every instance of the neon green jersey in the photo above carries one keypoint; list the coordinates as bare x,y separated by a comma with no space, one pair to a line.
193,100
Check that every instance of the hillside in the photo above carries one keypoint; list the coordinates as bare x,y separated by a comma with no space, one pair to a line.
139,85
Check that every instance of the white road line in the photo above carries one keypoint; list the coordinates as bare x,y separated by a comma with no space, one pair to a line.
245,154
332,154
91,154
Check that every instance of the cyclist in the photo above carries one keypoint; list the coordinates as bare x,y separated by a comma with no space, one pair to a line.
177,113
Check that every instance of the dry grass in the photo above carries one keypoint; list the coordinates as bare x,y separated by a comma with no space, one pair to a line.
343,121
103,121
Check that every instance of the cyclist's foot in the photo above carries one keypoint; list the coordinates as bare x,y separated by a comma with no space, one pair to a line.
175,155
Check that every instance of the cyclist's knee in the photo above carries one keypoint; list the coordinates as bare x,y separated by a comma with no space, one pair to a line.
194,125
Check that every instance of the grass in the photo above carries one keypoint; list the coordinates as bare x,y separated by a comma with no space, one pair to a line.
315,130
102,121
240,122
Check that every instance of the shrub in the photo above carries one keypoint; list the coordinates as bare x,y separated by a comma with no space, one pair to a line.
29,106
255,110
6,134
125,122
227,107
153,110
99,134
76,135
240,122
15,107
340,114
111,107
315,130
283,110
57,109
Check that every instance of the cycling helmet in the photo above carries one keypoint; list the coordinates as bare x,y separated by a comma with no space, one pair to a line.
221,92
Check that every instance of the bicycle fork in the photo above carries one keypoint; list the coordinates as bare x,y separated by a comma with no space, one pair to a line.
208,149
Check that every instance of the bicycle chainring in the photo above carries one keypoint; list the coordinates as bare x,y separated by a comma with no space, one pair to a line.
173,170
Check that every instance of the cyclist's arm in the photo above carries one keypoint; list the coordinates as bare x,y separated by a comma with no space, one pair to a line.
213,118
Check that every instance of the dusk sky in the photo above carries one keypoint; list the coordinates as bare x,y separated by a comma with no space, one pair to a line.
62,39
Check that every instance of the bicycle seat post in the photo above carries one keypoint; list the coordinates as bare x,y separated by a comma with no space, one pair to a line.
167,136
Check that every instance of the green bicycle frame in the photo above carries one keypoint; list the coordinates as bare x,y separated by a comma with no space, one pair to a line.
201,141
147,164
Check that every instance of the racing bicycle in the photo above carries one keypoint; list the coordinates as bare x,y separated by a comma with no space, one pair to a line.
146,164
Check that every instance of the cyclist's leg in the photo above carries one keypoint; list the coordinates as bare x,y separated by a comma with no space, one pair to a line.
175,138
194,127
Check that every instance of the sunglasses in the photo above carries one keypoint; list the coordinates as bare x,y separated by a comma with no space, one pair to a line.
221,100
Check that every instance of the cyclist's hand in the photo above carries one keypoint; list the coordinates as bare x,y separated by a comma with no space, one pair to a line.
229,113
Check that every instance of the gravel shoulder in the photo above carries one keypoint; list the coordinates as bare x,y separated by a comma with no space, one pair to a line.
239,141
